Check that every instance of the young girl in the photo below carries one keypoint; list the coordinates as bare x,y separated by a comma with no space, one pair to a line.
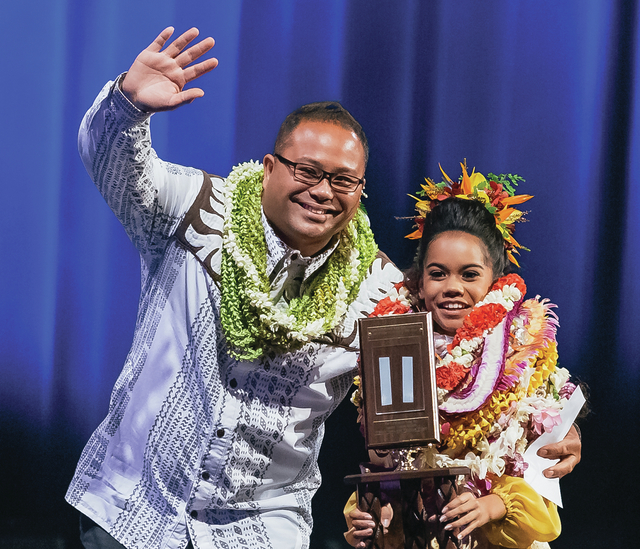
498,383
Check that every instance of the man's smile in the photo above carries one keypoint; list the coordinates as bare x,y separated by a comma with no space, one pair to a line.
315,209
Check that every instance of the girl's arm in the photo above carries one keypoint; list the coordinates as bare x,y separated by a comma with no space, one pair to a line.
529,516
513,515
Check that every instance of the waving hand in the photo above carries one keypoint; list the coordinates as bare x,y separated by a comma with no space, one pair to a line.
156,80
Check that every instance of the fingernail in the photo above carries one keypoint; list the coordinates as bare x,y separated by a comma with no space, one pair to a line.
542,452
385,522
443,518
448,527
549,474
445,510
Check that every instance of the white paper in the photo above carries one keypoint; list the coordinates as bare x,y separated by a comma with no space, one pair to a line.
550,487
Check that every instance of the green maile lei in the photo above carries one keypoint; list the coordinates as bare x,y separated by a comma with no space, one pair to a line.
251,322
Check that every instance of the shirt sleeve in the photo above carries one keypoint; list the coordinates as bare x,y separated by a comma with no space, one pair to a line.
529,516
148,196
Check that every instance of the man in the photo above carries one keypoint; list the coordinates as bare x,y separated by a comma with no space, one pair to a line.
245,339
246,331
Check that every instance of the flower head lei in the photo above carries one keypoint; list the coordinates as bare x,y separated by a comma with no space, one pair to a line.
496,192
251,322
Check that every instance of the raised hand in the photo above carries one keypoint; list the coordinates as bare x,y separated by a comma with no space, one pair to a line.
156,80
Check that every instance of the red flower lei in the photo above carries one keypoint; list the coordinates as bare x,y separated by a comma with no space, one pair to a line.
477,321
449,377
483,317
396,303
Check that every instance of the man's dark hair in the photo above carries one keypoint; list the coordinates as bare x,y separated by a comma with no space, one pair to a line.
467,216
330,112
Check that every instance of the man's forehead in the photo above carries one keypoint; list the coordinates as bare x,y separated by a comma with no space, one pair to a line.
314,133
323,126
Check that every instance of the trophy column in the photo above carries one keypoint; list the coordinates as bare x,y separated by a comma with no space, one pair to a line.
400,411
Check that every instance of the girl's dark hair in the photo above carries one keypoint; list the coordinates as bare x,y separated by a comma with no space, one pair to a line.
467,216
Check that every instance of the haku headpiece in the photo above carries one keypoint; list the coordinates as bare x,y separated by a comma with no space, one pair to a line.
496,192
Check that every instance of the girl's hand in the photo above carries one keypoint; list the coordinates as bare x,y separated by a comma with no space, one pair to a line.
362,525
468,512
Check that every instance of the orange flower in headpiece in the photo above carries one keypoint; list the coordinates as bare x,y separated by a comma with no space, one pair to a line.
497,193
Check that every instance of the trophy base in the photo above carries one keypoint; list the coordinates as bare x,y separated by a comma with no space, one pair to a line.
417,498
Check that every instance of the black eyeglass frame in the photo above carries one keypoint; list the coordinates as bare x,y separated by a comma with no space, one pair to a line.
325,175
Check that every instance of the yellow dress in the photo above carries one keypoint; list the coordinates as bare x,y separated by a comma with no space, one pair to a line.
530,517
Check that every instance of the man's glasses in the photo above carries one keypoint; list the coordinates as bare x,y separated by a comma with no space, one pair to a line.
305,173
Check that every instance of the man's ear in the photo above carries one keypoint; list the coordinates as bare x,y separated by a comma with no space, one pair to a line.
268,162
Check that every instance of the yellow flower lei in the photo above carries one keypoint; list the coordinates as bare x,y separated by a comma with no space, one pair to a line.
466,431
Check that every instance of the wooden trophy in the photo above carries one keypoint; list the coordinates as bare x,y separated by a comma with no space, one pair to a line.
400,415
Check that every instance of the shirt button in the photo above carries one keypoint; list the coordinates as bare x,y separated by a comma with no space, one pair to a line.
205,475
194,514
233,383
220,433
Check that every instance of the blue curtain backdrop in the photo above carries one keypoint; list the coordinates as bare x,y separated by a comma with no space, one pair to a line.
547,89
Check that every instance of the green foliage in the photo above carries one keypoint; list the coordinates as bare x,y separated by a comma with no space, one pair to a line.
508,181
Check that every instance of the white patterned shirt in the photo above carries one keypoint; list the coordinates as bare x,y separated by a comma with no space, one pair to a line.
196,444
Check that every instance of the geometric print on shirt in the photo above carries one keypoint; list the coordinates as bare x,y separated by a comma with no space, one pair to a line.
183,417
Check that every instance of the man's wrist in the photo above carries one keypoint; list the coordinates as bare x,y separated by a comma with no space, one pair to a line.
575,425
123,103
119,88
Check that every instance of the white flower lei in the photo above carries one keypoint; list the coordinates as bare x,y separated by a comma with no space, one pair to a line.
261,300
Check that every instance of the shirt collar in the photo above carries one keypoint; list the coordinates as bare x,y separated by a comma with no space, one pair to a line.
281,256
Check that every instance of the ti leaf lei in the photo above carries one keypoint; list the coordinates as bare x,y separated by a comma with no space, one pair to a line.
251,322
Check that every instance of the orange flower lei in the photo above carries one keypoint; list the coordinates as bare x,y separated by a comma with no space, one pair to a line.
396,302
